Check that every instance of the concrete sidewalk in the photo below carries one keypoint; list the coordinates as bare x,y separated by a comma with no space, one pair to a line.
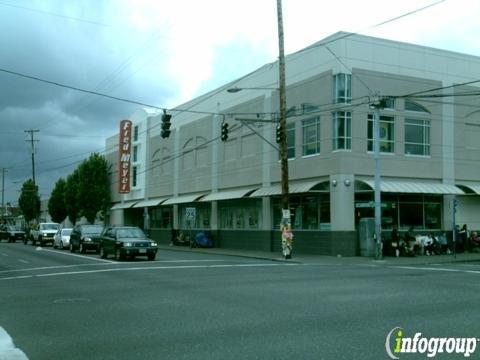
330,260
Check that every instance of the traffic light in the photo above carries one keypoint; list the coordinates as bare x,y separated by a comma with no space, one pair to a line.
224,136
279,133
166,124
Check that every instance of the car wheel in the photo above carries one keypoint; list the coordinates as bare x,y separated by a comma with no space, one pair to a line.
103,254
151,257
118,255
72,248
81,249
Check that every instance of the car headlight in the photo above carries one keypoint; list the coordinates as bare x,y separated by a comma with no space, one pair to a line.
153,244
127,244
44,234
87,239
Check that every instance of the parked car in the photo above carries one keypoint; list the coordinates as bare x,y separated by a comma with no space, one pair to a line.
11,233
61,240
85,237
43,233
126,241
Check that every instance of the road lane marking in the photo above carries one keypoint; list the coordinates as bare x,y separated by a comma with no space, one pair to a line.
23,261
5,254
8,351
103,264
75,255
436,269
148,268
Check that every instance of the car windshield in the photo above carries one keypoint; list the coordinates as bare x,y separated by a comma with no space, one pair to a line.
92,229
49,226
66,232
130,233
11,228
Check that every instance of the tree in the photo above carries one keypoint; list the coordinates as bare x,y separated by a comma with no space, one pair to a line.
56,204
71,196
29,200
94,187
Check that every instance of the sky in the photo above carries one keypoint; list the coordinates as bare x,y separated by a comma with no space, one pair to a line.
164,53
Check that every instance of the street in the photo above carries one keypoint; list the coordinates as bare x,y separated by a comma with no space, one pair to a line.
58,305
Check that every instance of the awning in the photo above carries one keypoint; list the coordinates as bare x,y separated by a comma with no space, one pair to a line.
183,199
414,187
474,188
124,205
228,194
149,202
293,188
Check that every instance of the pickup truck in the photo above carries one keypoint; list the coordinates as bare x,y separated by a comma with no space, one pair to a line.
43,233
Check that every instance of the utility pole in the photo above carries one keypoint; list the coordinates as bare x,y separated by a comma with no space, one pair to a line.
283,113
377,104
32,141
3,191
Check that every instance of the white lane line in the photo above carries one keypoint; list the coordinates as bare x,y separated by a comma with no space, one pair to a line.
75,255
5,254
103,264
436,269
23,261
8,351
148,268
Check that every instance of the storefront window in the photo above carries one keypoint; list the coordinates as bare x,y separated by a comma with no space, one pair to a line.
308,212
403,211
241,214
202,216
161,218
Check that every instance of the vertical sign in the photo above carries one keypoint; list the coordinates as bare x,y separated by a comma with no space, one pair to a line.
124,154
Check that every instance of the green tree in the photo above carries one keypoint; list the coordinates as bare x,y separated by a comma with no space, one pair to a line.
29,200
71,196
56,204
94,187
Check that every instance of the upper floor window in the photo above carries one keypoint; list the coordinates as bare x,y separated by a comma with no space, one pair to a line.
389,103
342,130
311,136
134,176
342,88
135,153
417,137
387,133
413,106
135,133
291,140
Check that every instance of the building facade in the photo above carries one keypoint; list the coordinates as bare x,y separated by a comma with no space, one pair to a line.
429,145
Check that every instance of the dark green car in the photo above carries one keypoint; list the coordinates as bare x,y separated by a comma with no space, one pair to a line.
126,242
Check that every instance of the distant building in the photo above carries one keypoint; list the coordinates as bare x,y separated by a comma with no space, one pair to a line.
430,150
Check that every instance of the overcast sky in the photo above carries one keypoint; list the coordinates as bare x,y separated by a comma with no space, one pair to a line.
164,53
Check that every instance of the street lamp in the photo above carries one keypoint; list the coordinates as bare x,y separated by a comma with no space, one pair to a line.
238,89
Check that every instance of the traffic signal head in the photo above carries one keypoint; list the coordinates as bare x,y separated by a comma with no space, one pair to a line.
166,125
279,133
224,135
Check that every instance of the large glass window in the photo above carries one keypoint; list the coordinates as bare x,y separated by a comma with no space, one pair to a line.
161,218
308,212
387,133
311,136
342,130
202,218
417,137
291,140
241,214
403,211
342,88
135,133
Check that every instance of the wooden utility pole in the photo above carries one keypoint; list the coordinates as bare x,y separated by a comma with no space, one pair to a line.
32,141
283,110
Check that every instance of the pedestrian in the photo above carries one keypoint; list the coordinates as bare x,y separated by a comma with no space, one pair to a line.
395,242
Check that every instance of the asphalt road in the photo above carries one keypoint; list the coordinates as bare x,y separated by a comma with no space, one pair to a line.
57,305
